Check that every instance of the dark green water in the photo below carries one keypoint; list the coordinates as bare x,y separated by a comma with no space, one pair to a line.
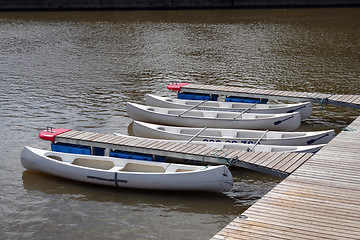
78,69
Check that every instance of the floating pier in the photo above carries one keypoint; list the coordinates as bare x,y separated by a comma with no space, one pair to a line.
352,101
319,200
279,164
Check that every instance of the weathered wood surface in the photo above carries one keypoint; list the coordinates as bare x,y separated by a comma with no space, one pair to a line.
320,200
279,164
352,101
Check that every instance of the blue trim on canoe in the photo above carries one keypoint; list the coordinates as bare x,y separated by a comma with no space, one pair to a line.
281,121
315,139
297,109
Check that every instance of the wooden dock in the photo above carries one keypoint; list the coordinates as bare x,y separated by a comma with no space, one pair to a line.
319,200
352,101
278,164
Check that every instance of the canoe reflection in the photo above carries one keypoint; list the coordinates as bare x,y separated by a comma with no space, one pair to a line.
196,202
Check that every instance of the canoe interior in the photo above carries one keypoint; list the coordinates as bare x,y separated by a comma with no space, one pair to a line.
98,164
189,114
206,133
128,167
133,167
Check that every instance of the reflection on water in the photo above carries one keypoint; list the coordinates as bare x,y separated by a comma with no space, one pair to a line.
78,69
194,202
76,204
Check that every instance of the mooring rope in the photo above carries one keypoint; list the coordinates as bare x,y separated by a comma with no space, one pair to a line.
229,161
349,129
322,100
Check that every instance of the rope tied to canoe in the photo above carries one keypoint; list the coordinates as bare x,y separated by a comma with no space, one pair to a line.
321,100
350,129
223,156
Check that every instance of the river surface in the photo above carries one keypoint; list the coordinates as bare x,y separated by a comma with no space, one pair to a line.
78,69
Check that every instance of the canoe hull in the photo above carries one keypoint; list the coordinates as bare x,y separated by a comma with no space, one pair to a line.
213,179
279,122
304,109
149,130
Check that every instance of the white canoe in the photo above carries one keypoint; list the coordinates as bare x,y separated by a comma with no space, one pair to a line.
247,147
304,108
149,130
128,173
197,118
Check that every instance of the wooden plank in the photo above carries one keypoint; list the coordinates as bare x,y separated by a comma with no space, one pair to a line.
101,138
85,135
206,151
249,156
330,176
302,95
66,134
356,100
71,134
230,153
151,144
94,136
121,140
284,161
79,135
293,167
140,143
196,149
316,194
320,226
339,99
266,91
237,155
180,146
302,211
291,162
111,138
160,145
180,149
293,187
172,146
351,98
257,157
342,98
304,218
263,158
275,161
310,229
280,230
272,158
335,97
313,203
321,182
188,148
